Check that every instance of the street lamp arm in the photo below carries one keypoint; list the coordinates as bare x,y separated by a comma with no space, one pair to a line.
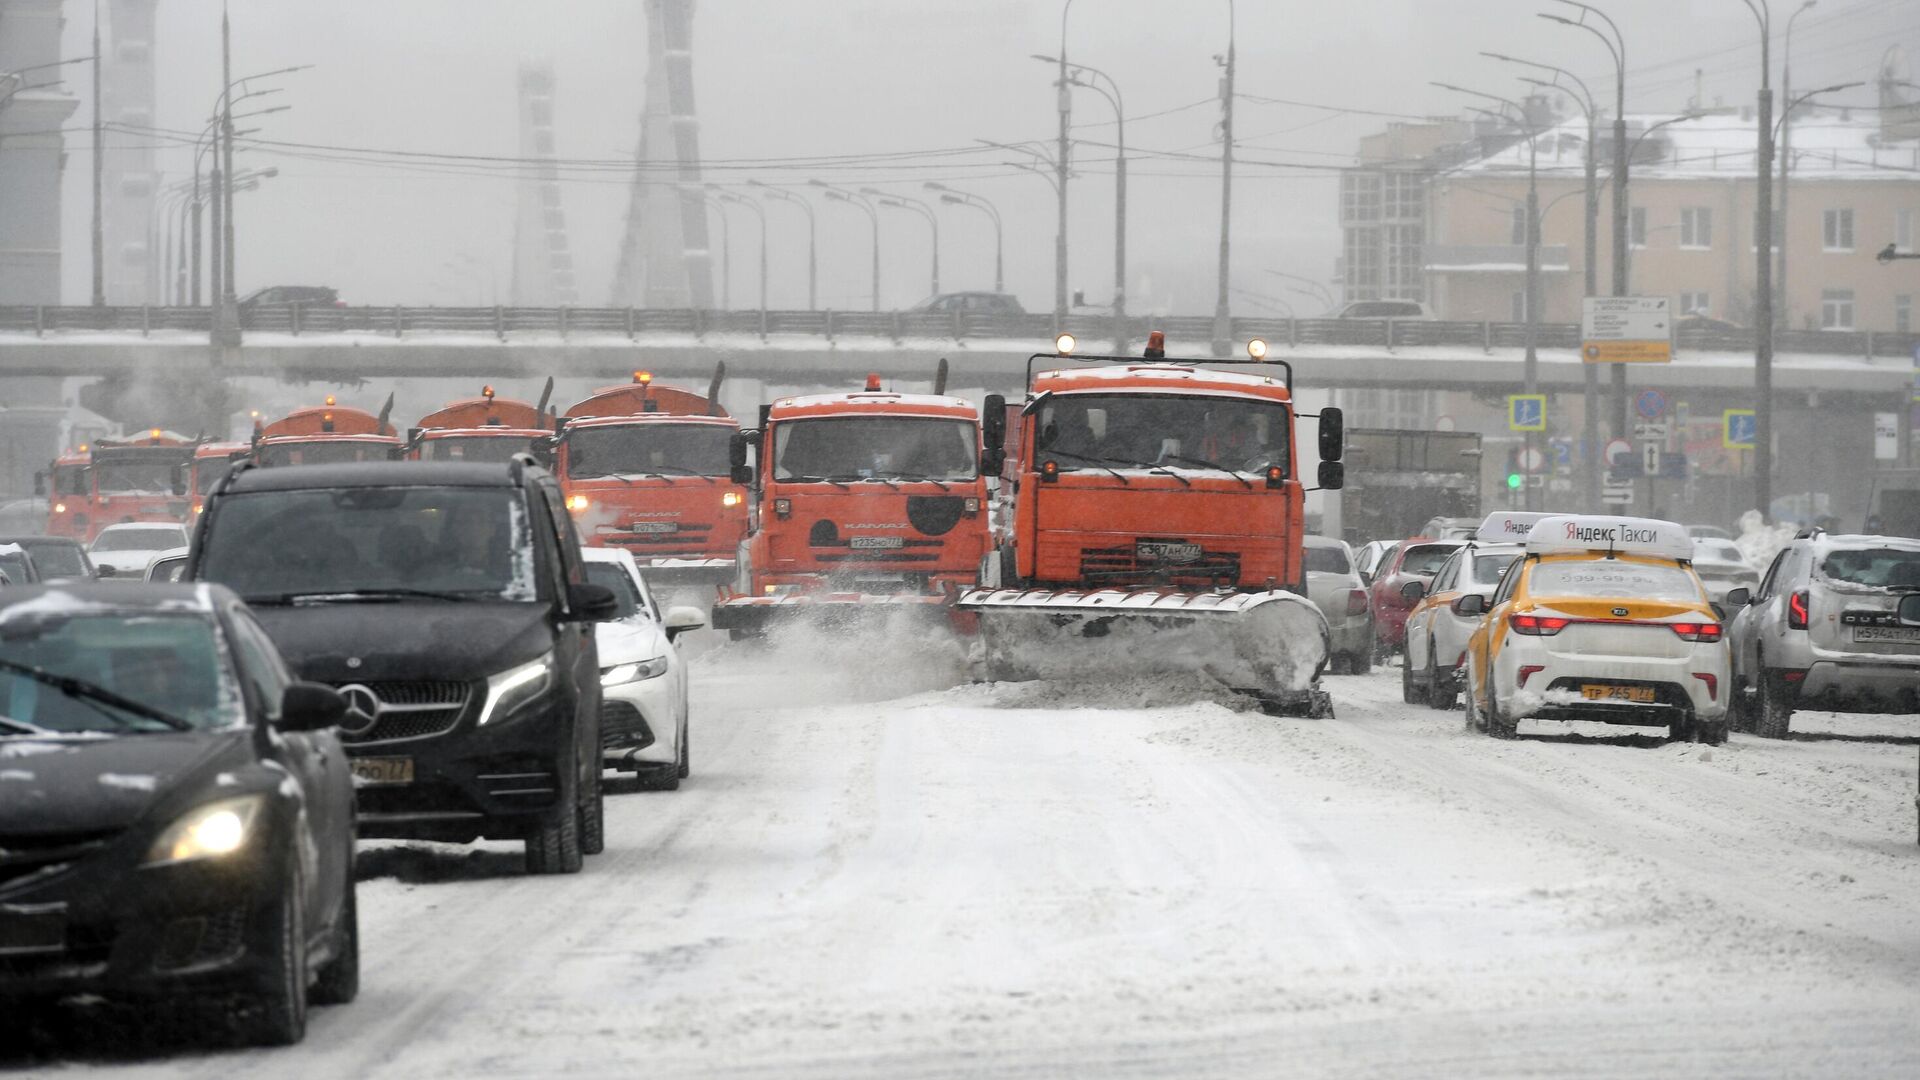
1618,62
1795,103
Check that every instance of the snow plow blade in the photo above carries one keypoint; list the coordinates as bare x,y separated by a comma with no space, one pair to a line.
745,616
1272,645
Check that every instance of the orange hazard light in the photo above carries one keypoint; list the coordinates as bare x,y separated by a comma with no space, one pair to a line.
487,392
643,377
1156,345
330,401
873,380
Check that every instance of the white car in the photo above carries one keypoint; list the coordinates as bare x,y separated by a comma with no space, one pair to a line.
1437,632
643,677
124,550
1723,567
167,566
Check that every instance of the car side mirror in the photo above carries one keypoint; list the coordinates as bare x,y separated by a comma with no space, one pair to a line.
1333,436
39,483
1333,476
593,603
741,472
1910,609
179,479
1413,591
1470,605
310,706
1738,598
682,619
103,570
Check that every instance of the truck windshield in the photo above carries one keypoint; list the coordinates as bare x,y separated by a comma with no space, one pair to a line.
143,477
875,447
324,452
649,447
72,480
281,545
1089,431
484,448
208,472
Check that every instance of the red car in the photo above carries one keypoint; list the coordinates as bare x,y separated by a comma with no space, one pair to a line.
1417,559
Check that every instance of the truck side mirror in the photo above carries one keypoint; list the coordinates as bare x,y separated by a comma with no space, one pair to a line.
742,473
177,478
993,434
1333,476
1333,436
39,483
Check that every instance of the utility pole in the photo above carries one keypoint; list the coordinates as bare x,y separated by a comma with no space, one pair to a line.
1222,314
1763,274
229,307
1064,103
1783,309
99,169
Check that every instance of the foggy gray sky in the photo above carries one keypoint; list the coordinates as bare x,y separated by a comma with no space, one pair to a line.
777,79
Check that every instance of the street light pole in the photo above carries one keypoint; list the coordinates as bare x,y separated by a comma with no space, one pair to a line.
1222,314
873,220
760,212
902,202
1114,98
1784,307
1064,104
726,253
1763,273
962,198
813,261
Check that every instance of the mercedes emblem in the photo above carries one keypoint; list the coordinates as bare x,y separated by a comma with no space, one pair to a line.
363,709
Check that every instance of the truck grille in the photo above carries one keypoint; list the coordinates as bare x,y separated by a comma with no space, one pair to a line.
412,710
1120,565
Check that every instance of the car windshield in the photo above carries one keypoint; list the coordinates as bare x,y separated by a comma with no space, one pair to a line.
1090,431
649,447
135,476
1489,569
155,538
56,560
1876,567
875,447
615,577
467,542
169,661
325,452
14,565
1327,560
1613,579
1425,559
493,449
1718,551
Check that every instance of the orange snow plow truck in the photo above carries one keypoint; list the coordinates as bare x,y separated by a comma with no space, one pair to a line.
329,434
488,428
867,504
1156,525
644,468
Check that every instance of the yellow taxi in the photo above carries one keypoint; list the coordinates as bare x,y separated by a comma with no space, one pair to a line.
1603,619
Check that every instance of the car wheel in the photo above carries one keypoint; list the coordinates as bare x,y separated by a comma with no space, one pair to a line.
1338,664
1440,693
1712,733
554,845
278,1007
339,979
1360,662
1475,721
1409,693
1773,712
686,756
593,818
1498,726
1739,706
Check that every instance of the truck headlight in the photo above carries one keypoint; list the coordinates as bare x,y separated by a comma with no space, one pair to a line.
577,503
516,686
209,831
619,674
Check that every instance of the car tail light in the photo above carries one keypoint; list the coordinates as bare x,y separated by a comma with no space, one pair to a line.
1356,601
1527,671
1797,610
1539,625
1713,684
1702,631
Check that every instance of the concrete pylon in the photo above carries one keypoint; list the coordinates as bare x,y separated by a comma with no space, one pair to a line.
132,177
664,259
542,258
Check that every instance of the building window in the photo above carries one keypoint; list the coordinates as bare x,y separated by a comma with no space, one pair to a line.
1903,231
1359,197
1405,278
1363,264
1696,227
1836,309
1837,234
1695,302
1519,230
1903,314
1404,196
1637,227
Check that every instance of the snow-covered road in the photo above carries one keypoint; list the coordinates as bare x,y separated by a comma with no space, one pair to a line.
894,875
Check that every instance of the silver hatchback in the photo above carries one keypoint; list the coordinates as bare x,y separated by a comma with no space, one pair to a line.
1835,624
1334,586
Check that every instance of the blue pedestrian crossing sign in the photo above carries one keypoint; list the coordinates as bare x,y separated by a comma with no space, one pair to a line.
1526,412
1738,429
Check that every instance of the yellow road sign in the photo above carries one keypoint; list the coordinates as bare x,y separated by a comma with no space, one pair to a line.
1626,352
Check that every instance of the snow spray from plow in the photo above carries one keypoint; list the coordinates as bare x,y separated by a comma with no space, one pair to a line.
1272,645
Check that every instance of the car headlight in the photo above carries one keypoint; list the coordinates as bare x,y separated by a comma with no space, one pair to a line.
516,686
209,831
626,673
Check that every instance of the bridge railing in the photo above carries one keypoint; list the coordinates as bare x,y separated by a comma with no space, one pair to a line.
1097,331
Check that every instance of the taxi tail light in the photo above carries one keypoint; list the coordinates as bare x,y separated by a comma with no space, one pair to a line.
1701,631
1539,625
1793,676
1356,601
1797,610
1713,684
1528,671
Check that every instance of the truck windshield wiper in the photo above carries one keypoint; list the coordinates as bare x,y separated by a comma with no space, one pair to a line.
867,480
1235,473
812,480
662,470
354,595
1151,467
1098,463
94,694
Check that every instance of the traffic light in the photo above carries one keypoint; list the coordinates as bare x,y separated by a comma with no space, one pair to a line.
1514,480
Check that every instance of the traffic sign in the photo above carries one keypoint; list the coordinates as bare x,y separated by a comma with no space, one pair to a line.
1617,495
1527,412
1651,404
1532,460
1627,330
1617,450
1651,431
1738,429
1650,458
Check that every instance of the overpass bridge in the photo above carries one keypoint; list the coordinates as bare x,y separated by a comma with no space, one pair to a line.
333,344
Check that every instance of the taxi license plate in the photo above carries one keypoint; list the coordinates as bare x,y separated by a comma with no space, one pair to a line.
1902,635
1598,692
383,770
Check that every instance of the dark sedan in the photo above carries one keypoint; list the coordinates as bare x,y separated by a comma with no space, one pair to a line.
176,816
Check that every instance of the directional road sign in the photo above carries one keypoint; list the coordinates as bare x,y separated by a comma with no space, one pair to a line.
1617,494
1651,404
1527,412
1650,458
1626,329
1738,428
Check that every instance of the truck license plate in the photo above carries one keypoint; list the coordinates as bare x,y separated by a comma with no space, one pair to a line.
1165,551
655,527
876,543
383,770
1600,692
1888,635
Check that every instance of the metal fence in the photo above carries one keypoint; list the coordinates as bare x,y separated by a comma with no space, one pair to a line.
1097,331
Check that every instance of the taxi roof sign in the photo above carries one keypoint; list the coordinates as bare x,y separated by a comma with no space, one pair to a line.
1562,534
1508,526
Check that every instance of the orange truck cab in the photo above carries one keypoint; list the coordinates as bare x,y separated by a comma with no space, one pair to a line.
211,462
328,434
865,503
137,479
646,468
68,486
487,428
